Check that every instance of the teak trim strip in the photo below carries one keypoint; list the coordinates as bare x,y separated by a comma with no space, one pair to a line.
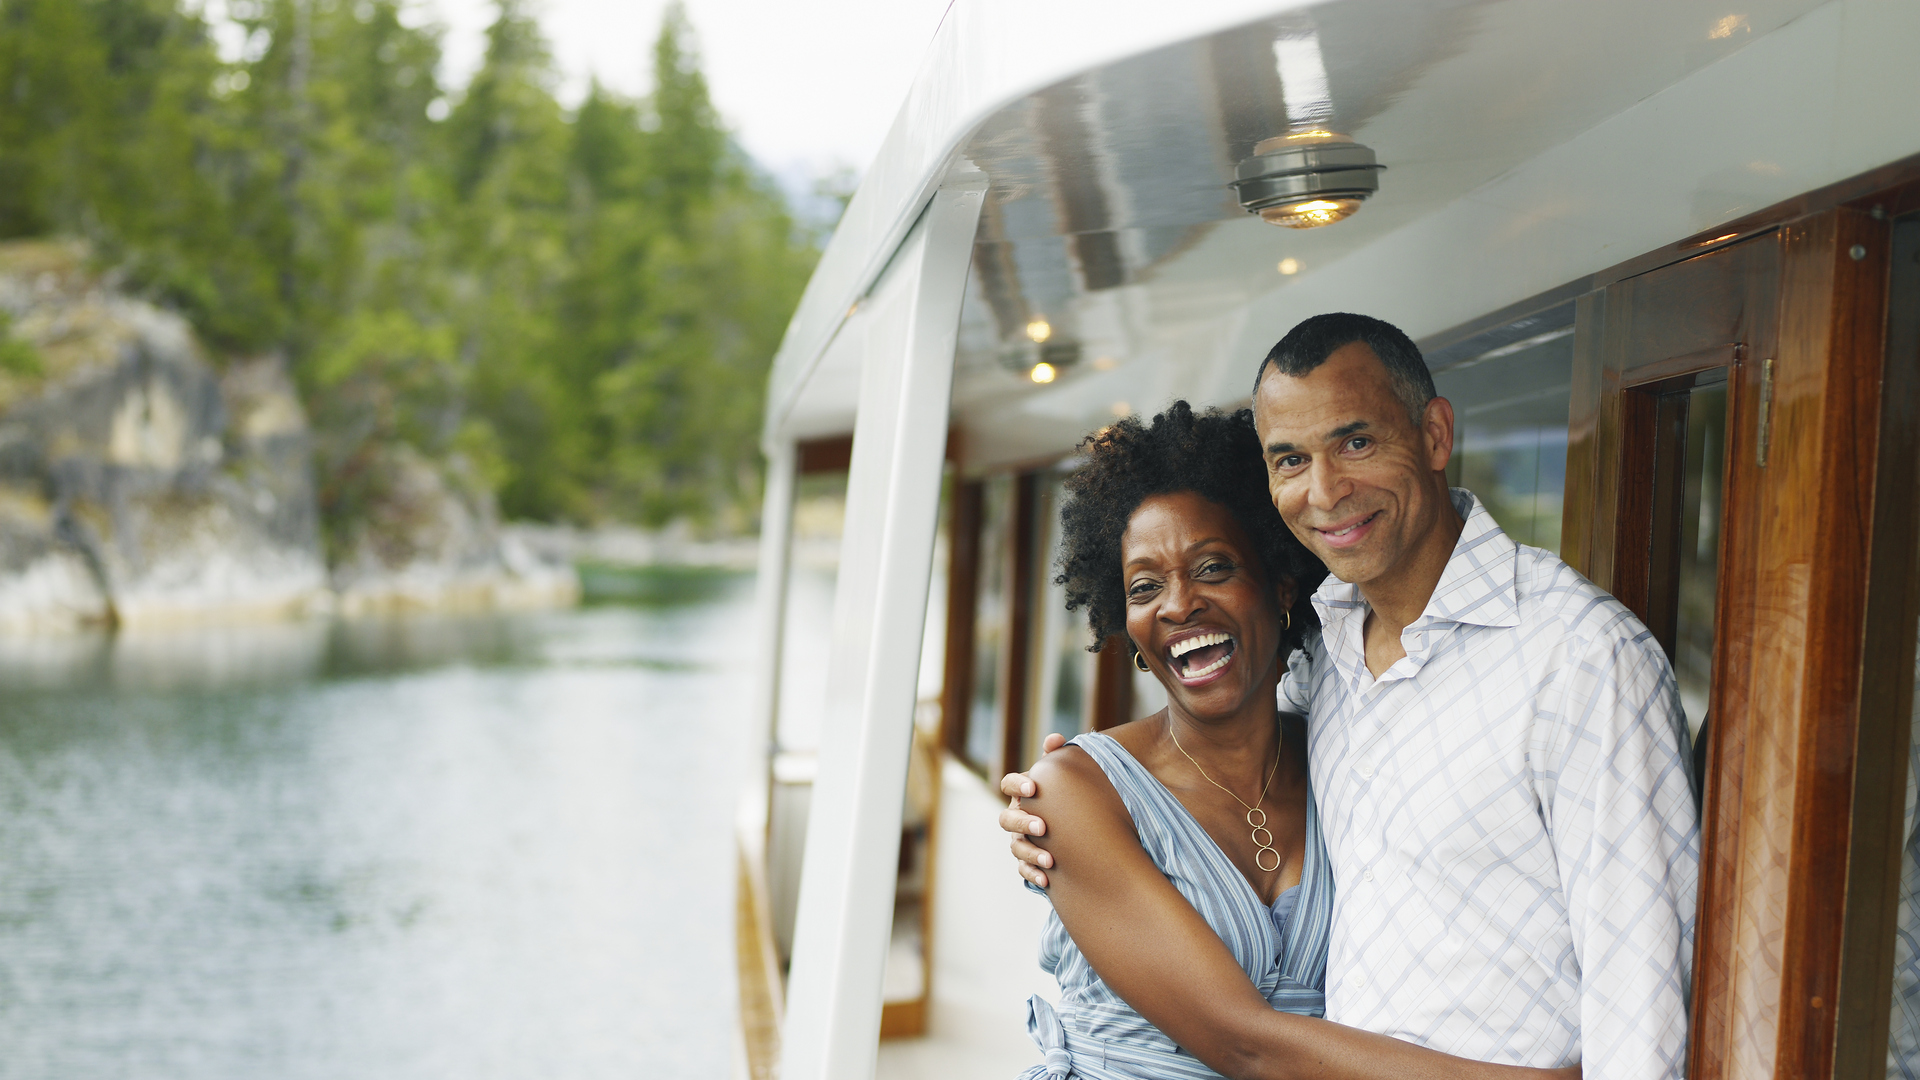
963,586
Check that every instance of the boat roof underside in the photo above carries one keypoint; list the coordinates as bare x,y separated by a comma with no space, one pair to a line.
1528,143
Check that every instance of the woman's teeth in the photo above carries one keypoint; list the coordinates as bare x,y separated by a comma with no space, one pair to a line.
1211,668
1198,641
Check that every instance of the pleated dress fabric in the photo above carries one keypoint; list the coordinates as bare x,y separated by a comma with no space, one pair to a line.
1093,1035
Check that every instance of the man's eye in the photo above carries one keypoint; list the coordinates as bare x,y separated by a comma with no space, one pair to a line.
1290,461
1359,442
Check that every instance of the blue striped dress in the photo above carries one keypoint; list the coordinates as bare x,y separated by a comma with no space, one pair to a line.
1094,1035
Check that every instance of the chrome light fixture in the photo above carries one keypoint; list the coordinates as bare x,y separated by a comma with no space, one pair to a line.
1307,179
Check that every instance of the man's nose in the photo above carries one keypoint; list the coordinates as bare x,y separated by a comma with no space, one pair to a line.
1326,486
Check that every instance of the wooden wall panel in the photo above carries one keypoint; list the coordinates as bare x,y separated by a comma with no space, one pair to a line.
1727,742
1831,320
1886,689
1793,592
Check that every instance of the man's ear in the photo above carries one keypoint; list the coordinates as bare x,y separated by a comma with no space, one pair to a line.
1437,425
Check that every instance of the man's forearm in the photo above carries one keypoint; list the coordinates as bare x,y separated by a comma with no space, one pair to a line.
1273,1045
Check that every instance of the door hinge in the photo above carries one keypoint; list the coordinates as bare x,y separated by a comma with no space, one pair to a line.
1764,430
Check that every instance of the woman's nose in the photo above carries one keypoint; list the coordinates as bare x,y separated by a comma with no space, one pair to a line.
1180,600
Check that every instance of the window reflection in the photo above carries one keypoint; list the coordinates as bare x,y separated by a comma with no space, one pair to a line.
1510,434
990,622
1699,555
1064,666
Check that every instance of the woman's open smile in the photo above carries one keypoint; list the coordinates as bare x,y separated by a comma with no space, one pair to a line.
1199,656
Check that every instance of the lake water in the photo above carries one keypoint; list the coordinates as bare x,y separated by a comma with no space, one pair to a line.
416,848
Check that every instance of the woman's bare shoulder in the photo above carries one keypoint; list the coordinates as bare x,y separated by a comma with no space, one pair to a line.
1068,772
1070,785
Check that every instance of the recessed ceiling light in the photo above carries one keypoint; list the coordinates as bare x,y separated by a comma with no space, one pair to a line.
1039,330
1042,372
1289,267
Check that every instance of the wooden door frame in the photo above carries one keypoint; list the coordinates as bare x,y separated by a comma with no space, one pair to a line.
1811,692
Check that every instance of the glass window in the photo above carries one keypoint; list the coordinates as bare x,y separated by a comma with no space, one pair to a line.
1698,564
1510,408
1063,666
990,622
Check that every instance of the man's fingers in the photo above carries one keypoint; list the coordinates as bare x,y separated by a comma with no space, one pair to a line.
1033,874
1019,822
1053,742
1030,855
1016,785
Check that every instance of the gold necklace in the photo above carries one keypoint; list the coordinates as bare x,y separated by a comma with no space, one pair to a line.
1265,846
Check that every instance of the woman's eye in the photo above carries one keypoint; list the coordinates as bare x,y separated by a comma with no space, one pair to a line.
1215,567
1141,588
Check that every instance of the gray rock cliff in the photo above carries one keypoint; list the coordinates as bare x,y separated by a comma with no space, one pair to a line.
140,486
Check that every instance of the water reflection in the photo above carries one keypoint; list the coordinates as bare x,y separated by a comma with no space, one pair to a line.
428,847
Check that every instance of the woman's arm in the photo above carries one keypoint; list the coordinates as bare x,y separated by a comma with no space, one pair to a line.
1149,944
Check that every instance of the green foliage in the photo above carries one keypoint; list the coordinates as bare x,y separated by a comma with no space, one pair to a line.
576,308
17,357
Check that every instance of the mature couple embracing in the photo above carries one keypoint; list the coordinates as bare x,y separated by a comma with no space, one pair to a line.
1430,818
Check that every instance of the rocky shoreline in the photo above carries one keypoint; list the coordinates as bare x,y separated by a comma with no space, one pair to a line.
142,486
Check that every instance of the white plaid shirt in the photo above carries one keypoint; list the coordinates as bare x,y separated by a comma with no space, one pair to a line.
1509,818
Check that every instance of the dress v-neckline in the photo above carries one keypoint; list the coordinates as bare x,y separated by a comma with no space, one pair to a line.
1218,851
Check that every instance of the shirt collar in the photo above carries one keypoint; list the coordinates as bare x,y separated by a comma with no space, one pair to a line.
1478,587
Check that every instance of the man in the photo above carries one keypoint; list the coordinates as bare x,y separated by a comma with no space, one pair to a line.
1496,746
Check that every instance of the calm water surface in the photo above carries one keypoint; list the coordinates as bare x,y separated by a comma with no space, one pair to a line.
433,847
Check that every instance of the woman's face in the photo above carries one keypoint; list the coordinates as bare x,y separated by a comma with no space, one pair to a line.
1198,605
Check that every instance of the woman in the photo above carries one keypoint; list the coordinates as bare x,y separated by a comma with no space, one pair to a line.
1191,894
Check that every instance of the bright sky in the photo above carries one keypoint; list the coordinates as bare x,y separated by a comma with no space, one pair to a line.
808,86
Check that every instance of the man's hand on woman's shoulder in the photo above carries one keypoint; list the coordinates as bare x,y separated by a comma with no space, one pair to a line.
1033,861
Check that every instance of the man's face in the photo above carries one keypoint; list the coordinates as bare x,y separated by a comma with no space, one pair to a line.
1352,475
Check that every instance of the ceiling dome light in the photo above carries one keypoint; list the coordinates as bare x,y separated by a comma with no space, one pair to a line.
1042,372
1039,330
1307,179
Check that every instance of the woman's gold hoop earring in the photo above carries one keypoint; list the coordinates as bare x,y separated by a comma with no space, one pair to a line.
1140,662
1289,625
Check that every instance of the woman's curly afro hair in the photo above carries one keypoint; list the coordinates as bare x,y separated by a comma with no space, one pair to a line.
1214,454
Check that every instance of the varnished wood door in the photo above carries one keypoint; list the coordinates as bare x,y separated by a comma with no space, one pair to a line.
1790,318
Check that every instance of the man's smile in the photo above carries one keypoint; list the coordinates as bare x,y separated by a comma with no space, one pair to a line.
1349,533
